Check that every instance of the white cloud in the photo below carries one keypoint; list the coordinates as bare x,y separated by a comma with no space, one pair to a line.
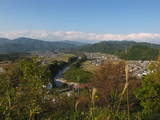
81,36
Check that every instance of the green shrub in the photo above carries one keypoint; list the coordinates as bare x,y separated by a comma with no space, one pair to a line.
149,92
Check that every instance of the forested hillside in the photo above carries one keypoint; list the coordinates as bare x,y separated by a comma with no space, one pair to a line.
125,49
21,45
139,52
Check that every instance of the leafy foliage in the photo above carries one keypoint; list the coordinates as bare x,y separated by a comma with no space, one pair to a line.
149,93
23,100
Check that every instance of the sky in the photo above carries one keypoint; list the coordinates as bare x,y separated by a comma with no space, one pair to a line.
92,20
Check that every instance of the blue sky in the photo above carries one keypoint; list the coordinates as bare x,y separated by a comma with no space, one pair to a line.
88,16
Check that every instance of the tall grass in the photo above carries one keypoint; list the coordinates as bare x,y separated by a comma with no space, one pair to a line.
125,90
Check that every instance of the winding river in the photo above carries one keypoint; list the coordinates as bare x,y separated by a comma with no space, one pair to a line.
59,76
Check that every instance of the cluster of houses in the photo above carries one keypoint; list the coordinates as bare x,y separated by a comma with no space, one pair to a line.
137,68
98,59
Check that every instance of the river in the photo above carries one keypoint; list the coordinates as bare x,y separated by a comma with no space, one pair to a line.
59,76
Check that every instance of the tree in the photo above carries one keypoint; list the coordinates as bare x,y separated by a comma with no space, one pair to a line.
109,79
149,92
27,96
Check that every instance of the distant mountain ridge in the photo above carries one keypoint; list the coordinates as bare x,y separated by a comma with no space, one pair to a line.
128,50
20,45
114,46
124,49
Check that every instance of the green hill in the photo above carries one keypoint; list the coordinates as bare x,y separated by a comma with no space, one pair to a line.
113,46
107,46
139,52
135,50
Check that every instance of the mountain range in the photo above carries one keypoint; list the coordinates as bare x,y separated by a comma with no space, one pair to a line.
114,46
124,49
21,45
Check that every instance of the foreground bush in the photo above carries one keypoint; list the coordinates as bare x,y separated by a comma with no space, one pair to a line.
148,93
22,92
